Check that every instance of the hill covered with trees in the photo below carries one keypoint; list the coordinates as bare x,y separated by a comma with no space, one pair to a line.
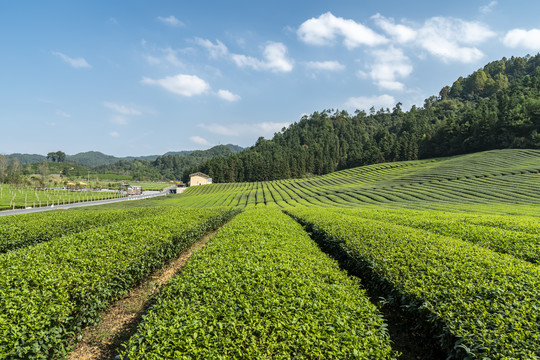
170,166
495,107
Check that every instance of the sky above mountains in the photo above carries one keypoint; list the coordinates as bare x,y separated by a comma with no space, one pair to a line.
140,77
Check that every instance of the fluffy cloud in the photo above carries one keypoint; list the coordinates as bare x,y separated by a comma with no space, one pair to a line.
326,28
266,129
388,66
114,134
449,39
325,65
366,102
77,63
275,59
216,50
171,21
274,56
400,33
199,140
181,84
227,95
526,39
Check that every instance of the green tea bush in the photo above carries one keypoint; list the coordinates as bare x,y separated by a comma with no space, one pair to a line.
481,304
517,236
18,231
261,289
50,291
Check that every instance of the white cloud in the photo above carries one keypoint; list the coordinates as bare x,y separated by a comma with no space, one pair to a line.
266,129
326,28
519,38
77,63
166,56
122,112
274,56
488,8
199,140
227,95
171,58
122,109
448,38
114,134
171,21
388,66
181,84
325,65
275,59
63,114
401,33
216,50
366,102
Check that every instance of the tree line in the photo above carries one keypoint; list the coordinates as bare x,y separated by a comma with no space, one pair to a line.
495,107
166,167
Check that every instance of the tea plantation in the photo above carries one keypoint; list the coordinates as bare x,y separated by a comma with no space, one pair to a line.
451,246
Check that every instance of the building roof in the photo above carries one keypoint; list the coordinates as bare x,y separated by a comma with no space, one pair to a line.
199,174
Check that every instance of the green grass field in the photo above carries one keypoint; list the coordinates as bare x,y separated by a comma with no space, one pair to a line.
449,246
21,197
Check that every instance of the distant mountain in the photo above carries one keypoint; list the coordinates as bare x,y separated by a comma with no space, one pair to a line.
93,158
27,158
181,153
170,166
96,158
233,148
145,157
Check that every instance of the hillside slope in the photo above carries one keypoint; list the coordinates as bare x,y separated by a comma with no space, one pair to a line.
492,177
496,107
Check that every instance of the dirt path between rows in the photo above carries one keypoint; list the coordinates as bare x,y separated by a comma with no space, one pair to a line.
101,342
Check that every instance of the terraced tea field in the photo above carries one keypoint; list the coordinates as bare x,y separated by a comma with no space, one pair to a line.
429,259
493,177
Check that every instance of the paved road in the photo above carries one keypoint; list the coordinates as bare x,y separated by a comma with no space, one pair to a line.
87,203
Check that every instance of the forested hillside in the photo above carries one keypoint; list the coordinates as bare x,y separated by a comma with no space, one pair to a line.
167,167
495,107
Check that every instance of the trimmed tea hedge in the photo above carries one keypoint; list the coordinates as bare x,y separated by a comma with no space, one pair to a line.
517,236
18,231
50,291
261,289
481,304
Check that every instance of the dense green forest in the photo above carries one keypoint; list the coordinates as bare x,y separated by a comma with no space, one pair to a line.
495,107
170,166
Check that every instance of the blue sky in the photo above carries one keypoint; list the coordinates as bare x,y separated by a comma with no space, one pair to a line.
141,77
